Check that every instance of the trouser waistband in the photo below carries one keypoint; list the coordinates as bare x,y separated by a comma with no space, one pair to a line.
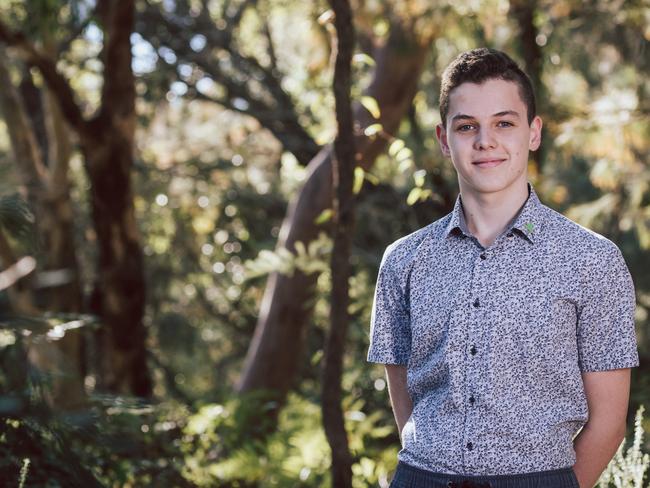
407,476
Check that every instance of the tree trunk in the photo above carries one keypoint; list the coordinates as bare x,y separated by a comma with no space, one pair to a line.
343,226
49,198
524,13
119,295
107,143
275,349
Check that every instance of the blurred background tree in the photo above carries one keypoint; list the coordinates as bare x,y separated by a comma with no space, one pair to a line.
168,166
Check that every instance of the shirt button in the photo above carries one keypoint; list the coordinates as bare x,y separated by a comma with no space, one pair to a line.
476,303
509,235
483,256
473,351
472,400
470,446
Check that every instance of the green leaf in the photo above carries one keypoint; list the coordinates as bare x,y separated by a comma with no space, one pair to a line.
359,176
373,129
405,165
324,216
300,248
396,146
404,153
371,178
414,196
419,177
363,58
371,106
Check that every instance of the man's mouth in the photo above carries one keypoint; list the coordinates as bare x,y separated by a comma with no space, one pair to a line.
488,162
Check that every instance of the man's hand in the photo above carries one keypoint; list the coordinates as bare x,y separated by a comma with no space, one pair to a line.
608,394
399,395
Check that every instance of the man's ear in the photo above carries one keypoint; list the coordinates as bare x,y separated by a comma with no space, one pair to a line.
441,134
535,133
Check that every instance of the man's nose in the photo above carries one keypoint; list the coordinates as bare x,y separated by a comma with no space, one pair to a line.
484,139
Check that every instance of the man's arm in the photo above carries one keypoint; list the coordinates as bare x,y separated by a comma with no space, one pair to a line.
608,394
399,395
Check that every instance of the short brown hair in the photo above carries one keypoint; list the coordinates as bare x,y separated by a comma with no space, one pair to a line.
482,64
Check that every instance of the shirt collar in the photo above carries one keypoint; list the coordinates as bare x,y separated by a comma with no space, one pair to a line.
531,218
457,221
528,222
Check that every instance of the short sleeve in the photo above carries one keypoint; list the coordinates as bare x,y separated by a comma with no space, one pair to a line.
606,335
390,333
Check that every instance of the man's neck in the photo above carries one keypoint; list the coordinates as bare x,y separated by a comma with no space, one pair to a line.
488,214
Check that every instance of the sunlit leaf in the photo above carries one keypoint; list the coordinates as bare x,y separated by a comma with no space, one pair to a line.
359,175
324,216
363,58
373,129
419,177
414,196
371,105
396,146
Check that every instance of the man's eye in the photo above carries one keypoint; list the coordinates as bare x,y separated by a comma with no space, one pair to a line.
505,123
464,127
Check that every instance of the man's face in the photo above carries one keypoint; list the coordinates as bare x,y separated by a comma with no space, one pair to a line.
488,137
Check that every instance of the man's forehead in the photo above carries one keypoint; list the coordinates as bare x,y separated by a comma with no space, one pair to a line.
501,113
492,97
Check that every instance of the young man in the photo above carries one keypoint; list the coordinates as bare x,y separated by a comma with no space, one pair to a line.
504,327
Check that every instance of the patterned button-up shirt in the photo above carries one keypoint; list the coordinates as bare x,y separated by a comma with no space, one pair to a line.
495,339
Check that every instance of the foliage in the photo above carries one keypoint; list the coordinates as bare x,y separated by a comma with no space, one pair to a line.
16,217
308,259
221,450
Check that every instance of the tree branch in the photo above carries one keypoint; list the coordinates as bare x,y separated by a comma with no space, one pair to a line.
271,106
118,91
343,204
271,49
74,34
234,19
23,141
58,84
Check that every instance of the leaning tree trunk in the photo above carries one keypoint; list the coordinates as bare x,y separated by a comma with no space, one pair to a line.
343,224
275,349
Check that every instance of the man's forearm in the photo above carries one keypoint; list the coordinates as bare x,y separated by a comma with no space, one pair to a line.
595,446
399,396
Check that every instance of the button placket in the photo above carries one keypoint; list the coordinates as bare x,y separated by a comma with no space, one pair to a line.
477,317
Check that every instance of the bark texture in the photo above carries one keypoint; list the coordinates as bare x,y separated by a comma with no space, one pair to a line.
108,146
343,225
276,346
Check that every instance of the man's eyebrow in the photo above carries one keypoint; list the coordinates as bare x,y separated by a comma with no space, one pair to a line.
462,117
503,113
506,112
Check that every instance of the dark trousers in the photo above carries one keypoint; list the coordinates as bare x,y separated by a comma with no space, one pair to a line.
409,477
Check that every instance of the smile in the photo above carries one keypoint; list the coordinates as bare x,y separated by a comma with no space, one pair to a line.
488,163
